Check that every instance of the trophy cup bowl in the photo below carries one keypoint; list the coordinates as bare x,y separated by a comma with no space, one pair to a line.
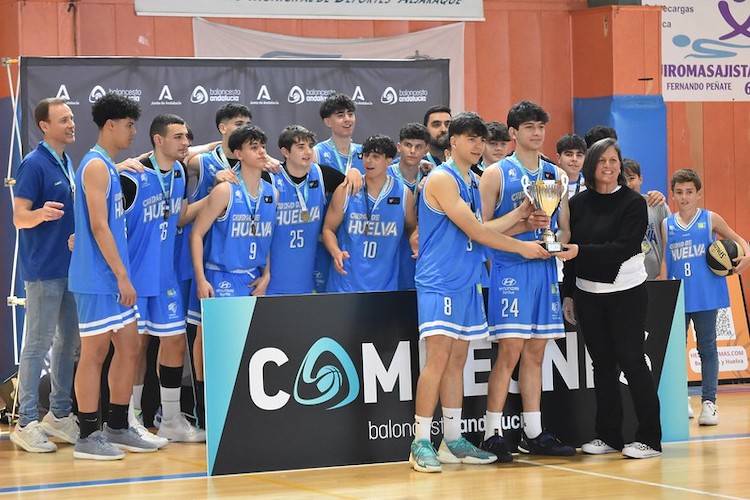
545,195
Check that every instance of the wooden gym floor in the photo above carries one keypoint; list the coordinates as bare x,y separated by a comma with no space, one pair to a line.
713,463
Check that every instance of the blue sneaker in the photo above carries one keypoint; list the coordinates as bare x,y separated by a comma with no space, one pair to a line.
545,443
96,447
129,440
495,444
461,451
423,457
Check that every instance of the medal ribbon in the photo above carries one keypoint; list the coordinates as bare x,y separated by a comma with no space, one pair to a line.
162,183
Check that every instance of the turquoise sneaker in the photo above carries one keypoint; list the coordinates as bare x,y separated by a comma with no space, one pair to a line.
461,451
423,457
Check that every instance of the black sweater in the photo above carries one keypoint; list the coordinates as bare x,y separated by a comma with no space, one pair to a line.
608,229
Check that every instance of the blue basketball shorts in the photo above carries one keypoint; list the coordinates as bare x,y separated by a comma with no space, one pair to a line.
99,314
224,285
524,301
161,315
459,315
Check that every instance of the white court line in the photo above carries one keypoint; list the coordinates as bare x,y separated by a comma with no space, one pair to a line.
629,480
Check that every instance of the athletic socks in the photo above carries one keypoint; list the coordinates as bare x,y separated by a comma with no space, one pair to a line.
493,424
134,408
532,423
118,416
451,423
422,427
170,379
88,423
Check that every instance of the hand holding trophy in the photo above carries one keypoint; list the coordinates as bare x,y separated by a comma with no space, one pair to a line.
545,195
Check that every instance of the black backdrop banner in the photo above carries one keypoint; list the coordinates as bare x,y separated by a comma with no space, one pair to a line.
387,93
324,380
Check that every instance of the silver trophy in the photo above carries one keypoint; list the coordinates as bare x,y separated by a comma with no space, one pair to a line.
545,195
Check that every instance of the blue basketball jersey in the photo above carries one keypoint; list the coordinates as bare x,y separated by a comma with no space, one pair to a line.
295,239
448,260
239,240
371,233
512,195
686,261
407,265
183,263
211,163
328,154
89,272
151,236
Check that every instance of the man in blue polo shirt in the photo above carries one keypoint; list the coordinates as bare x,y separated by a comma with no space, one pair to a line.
43,212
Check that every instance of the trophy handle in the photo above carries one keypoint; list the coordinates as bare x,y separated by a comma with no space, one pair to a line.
525,183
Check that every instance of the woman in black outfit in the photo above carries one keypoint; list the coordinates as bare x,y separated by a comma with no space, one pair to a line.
604,289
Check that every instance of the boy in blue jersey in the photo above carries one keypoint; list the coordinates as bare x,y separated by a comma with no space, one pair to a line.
687,235
451,236
155,203
437,119
571,149
105,298
238,220
363,231
339,152
524,308
304,188
413,143
498,145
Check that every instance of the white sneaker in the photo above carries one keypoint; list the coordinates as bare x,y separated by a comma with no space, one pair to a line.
709,414
639,450
65,428
691,414
32,438
146,435
597,447
180,430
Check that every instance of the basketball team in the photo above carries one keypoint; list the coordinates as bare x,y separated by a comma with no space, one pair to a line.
112,254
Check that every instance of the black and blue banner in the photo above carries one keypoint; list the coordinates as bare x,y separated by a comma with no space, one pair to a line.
324,380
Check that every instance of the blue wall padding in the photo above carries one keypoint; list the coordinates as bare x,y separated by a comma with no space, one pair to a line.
641,124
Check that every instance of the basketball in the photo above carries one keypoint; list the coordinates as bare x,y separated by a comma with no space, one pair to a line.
720,256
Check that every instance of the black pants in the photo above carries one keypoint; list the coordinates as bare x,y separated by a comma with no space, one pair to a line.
613,326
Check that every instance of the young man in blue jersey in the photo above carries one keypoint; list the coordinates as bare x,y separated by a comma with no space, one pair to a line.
304,188
687,234
339,151
155,203
238,221
571,149
437,119
524,308
413,143
451,313
498,144
363,231
99,276
43,214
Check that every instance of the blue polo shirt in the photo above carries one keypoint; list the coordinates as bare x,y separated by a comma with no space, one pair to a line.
43,250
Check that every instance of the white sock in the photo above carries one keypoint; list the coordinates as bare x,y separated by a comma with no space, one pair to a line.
451,423
532,423
136,397
493,424
422,427
170,402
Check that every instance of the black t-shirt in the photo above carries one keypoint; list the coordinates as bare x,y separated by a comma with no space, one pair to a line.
130,190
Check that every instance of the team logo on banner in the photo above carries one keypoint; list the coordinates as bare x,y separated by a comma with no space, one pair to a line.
296,95
389,96
263,97
62,93
359,97
165,98
392,96
328,379
96,93
199,95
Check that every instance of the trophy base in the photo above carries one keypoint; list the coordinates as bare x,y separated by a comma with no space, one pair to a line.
552,246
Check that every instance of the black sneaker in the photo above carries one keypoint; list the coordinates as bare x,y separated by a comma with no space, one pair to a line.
545,443
496,445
